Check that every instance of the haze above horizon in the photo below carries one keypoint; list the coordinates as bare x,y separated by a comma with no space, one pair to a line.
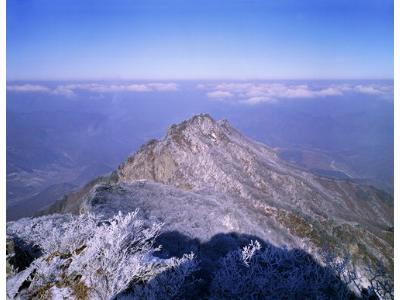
235,40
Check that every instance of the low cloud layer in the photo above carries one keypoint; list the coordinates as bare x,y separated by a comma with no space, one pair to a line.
236,92
254,93
27,88
70,89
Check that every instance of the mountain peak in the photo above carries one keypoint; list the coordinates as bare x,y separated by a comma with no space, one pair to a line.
206,170
201,122
202,117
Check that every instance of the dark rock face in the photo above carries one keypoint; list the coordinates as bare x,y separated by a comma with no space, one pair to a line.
19,254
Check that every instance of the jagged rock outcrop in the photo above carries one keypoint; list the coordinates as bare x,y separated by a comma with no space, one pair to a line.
205,177
19,255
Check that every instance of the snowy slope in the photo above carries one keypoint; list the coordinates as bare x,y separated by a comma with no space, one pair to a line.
205,177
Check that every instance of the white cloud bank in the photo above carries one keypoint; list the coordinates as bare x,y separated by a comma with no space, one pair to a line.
240,92
27,88
70,89
220,94
254,93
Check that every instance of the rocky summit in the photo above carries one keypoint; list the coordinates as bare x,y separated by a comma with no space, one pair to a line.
205,178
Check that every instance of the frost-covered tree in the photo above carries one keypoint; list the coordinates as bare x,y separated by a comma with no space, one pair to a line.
88,257
273,273
278,273
375,283
168,283
120,251
380,283
54,233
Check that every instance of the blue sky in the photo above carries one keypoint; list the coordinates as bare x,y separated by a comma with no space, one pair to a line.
157,40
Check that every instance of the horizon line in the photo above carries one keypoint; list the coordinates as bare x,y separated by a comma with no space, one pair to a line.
194,79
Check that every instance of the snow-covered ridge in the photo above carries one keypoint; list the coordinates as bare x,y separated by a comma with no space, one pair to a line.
204,157
205,179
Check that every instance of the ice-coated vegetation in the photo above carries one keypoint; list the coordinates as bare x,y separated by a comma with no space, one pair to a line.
90,257
257,272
